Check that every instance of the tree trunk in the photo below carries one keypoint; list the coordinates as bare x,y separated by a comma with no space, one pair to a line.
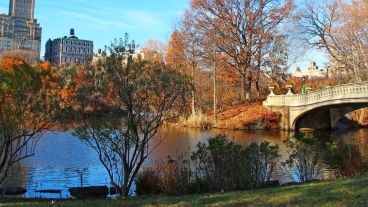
247,89
125,191
193,91
214,93
258,89
242,93
193,103
126,187
248,84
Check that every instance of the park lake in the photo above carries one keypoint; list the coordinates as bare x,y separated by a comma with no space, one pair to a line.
61,158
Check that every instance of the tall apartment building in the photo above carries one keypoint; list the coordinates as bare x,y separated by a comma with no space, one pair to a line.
69,50
19,31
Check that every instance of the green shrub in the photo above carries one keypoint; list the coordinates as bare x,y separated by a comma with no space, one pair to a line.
221,165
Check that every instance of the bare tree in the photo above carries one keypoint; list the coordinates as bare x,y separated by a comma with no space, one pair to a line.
276,62
157,47
186,44
242,30
340,29
147,93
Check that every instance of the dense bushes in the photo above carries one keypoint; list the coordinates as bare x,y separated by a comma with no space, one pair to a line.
170,178
220,165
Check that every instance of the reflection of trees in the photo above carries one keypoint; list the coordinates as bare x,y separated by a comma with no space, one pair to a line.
345,159
17,176
82,174
305,157
122,149
310,154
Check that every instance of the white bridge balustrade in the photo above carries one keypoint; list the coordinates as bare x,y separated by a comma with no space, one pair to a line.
292,107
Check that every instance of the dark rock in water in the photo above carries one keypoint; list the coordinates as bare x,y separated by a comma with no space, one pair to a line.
13,191
49,191
89,192
114,191
260,124
346,123
271,183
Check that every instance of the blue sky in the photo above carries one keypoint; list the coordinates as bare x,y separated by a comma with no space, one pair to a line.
104,20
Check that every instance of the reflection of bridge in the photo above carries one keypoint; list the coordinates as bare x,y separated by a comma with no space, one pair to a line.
320,109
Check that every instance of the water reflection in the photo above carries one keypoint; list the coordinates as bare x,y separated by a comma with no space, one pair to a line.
60,155
179,140
346,153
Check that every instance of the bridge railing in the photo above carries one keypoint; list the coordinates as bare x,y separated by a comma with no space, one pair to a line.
352,90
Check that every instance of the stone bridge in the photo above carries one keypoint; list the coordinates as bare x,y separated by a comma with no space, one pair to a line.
320,109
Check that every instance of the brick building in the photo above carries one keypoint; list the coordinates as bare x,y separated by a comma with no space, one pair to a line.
69,50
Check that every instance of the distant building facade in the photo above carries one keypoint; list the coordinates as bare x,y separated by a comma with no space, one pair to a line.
69,50
20,33
313,71
143,55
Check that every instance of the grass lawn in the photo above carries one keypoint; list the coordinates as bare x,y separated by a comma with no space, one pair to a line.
344,192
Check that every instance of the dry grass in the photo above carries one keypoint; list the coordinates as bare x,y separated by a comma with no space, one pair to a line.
198,120
244,116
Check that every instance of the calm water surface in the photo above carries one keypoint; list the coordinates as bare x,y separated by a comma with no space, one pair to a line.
60,155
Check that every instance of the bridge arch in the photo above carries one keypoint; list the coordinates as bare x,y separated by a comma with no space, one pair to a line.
325,117
323,107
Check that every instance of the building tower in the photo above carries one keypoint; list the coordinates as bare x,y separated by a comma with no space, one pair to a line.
20,33
22,9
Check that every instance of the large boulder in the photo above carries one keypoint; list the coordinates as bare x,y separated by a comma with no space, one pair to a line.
89,192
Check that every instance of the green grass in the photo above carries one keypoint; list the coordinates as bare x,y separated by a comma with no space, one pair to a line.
344,192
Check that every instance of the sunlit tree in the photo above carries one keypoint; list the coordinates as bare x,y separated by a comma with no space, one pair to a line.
148,94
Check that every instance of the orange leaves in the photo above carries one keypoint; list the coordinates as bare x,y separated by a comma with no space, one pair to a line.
9,62
45,66
273,84
68,93
245,115
228,75
175,56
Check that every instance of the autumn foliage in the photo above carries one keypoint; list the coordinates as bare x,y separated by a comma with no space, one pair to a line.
247,116
29,105
9,62
297,84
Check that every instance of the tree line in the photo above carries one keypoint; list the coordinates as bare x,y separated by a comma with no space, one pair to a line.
232,50
118,102
240,44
